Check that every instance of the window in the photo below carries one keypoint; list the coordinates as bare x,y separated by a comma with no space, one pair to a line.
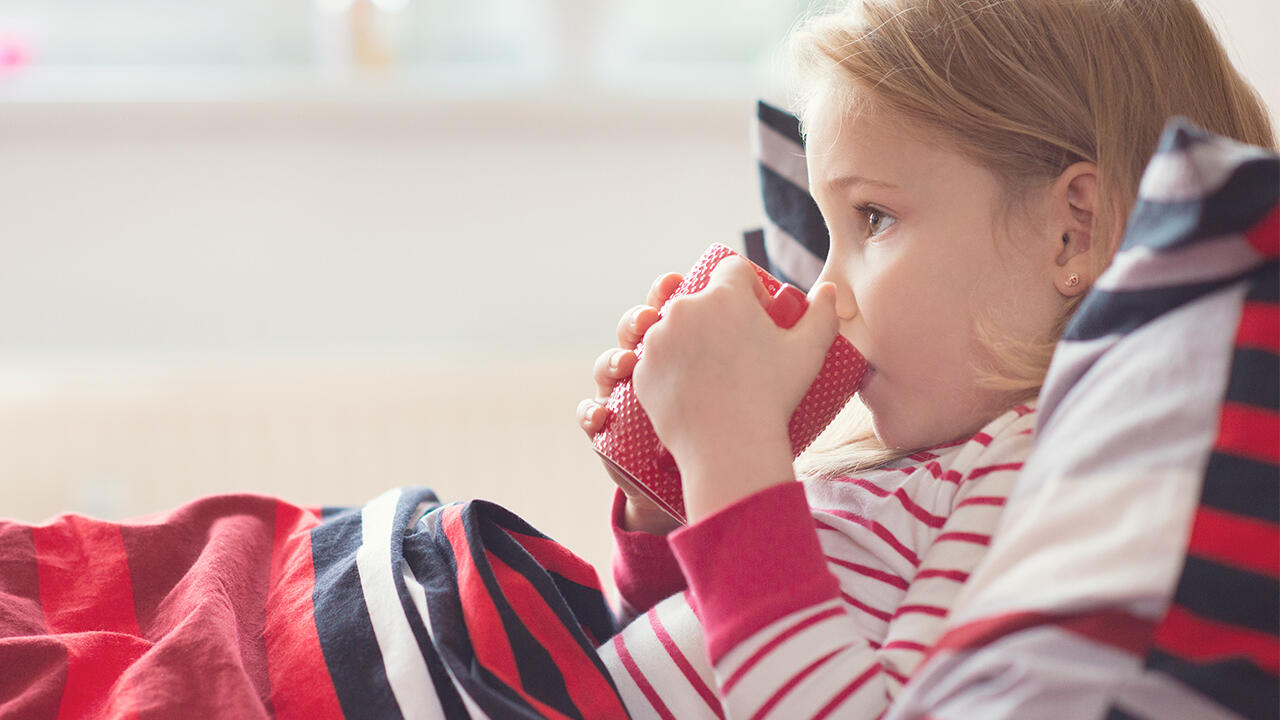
83,49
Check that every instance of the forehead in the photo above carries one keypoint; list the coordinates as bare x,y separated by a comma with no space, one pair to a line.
850,132
856,137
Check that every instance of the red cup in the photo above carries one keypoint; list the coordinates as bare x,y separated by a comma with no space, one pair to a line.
629,444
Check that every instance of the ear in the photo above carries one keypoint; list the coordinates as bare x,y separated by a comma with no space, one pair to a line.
1073,199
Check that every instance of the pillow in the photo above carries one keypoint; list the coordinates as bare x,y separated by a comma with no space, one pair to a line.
1136,568
792,245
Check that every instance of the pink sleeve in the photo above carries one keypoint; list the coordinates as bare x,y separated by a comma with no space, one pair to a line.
644,568
752,563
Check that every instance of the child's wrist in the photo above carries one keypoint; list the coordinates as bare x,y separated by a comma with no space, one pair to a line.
717,482
647,520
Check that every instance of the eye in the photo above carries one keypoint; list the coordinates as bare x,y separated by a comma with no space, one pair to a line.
877,220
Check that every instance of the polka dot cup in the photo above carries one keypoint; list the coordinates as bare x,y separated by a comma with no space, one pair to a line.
628,443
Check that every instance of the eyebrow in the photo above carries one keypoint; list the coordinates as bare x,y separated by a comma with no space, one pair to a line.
847,180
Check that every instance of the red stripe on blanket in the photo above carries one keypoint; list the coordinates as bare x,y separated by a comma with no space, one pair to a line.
84,577
1259,326
86,596
1236,540
558,559
37,690
1265,236
587,687
686,668
1108,627
20,612
200,575
301,687
1200,639
1249,432
480,615
484,626
95,663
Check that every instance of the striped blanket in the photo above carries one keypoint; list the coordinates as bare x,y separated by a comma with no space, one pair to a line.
1136,570
244,606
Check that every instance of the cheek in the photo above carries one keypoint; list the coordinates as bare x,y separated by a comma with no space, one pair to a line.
914,304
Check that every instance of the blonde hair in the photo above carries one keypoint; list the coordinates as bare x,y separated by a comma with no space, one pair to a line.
1025,88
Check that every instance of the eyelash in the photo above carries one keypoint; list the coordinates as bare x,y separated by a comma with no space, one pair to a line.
868,210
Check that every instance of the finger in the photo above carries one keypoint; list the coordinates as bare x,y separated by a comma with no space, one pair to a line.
611,367
662,289
820,321
591,416
734,271
633,324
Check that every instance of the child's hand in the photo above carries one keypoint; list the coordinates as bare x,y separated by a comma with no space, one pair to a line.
612,367
720,380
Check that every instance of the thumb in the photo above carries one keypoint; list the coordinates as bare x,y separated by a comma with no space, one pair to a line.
820,322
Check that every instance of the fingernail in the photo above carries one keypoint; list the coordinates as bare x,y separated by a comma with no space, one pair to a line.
616,359
787,306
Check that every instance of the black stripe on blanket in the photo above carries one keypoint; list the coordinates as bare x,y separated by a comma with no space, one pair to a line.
1116,713
1256,384
1253,490
1119,312
1233,682
536,606
796,225
407,507
792,208
781,121
342,620
1255,598
1244,200
428,553
756,253
574,604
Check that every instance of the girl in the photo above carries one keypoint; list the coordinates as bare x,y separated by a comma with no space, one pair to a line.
975,163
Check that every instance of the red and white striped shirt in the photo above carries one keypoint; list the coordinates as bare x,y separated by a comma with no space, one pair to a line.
811,599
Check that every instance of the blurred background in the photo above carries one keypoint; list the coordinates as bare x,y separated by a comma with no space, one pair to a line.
319,248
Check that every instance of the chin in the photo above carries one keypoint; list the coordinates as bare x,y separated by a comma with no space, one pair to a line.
888,432
894,442
901,430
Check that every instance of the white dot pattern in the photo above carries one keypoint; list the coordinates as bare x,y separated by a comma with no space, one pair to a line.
630,443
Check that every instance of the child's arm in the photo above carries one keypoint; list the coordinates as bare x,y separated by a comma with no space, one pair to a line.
782,632
645,570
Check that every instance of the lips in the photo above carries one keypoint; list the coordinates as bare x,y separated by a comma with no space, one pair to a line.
866,377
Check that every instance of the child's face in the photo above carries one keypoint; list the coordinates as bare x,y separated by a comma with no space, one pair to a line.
915,272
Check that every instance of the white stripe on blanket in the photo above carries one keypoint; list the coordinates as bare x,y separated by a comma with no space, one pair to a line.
406,669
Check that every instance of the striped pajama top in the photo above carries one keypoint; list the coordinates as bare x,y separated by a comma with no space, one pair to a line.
810,599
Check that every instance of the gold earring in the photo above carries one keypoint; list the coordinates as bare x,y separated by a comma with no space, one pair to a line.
1073,280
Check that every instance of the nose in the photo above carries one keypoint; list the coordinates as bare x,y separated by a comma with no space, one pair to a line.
846,303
